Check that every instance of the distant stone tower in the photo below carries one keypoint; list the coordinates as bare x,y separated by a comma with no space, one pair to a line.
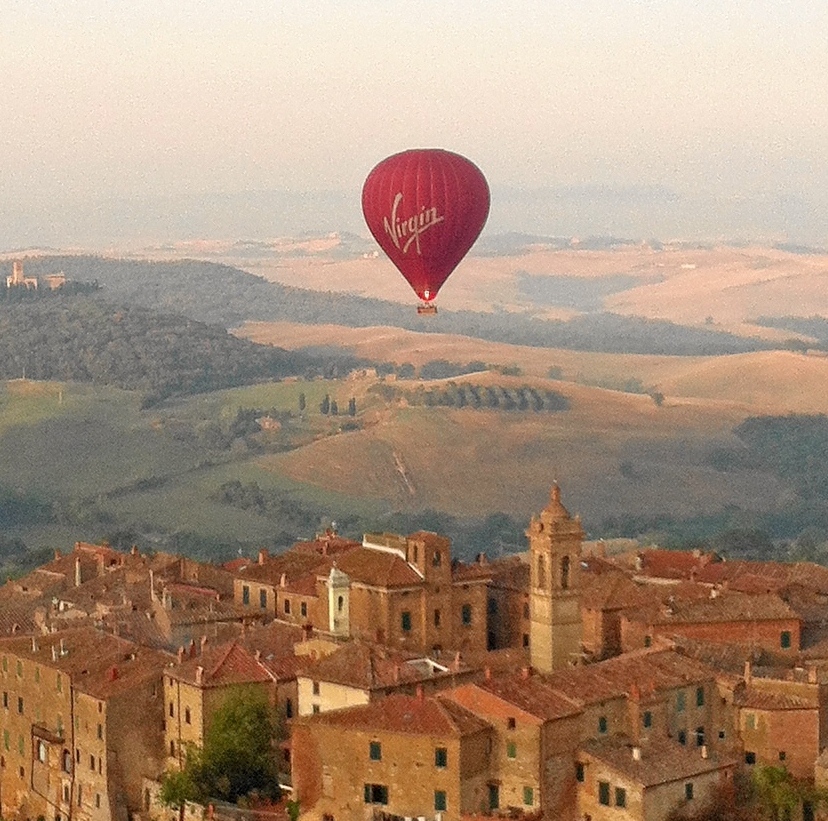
554,597
339,602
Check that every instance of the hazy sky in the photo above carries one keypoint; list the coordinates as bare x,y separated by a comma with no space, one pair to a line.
118,100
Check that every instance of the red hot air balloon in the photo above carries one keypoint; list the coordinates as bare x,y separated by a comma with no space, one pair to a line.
425,208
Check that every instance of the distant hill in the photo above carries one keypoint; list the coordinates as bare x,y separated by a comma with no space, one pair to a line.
76,337
224,295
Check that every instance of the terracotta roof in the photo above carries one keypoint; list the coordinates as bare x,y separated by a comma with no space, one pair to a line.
368,667
416,715
498,697
660,762
291,564
650,669
612,591
99,663
725,607
762,699
507,571
668,564
378,568
222,665
328,545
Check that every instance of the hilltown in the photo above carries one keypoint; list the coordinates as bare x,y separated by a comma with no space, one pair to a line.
560,683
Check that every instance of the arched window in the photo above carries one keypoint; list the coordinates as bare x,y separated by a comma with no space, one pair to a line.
541,571
436,559
340,603
565,573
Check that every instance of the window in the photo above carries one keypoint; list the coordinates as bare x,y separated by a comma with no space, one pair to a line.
782,755
187,715
511,723
721,734
680,701
699,736
492,607
59,683
340,604
97,799
750,758
376,794
688,790
602,724
19,668
785,639
579,772
172,710
436,559
20,705
648,640
21,745
440,800
80,795
303,609
528,796
620,797
526,610
375,751
541,571
466,614
699,696
288,708
172,749
287,606
245,594
41,752
441,757
60,725
405,621
525,639
5,699
263,598
315,709
66,793
436,618
315,688
67,761
682,736
750,721
604,793
565,573
647,719
6,739
494,797
5,665
91,762
511,750
100,731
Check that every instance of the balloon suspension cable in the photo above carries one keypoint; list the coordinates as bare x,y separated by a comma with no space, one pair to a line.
426,309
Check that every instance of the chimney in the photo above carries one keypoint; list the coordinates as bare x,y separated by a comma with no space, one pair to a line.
704,751
57,553
263,555
133,551
420,693
487,674
748,674
180,654
283,580
152,585
54,653
199,675
455,665
396,674
192,648
34,644
525,672
203,643
258,655
77,572
636,753
63,650
813,675
481,558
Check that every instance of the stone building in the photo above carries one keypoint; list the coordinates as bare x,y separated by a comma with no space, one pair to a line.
82,725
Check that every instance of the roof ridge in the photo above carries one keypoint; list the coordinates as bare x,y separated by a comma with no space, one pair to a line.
220,663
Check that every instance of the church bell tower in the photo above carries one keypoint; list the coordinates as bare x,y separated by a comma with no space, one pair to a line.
554,597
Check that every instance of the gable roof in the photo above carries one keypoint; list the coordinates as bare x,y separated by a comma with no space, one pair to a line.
378,568
221,666
414,715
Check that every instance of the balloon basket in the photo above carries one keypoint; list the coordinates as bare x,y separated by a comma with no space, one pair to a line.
426,309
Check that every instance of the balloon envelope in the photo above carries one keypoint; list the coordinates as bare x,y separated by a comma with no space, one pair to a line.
425,207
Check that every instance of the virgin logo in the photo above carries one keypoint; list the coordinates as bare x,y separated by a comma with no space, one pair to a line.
405,231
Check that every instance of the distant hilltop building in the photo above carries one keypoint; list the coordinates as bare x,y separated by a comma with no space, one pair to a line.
19,280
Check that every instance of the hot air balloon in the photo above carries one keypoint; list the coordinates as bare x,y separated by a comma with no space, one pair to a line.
425,207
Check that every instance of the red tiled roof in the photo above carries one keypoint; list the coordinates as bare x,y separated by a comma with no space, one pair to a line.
725,607
762,699
660,761
498,697
407,714
222,665
378,568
